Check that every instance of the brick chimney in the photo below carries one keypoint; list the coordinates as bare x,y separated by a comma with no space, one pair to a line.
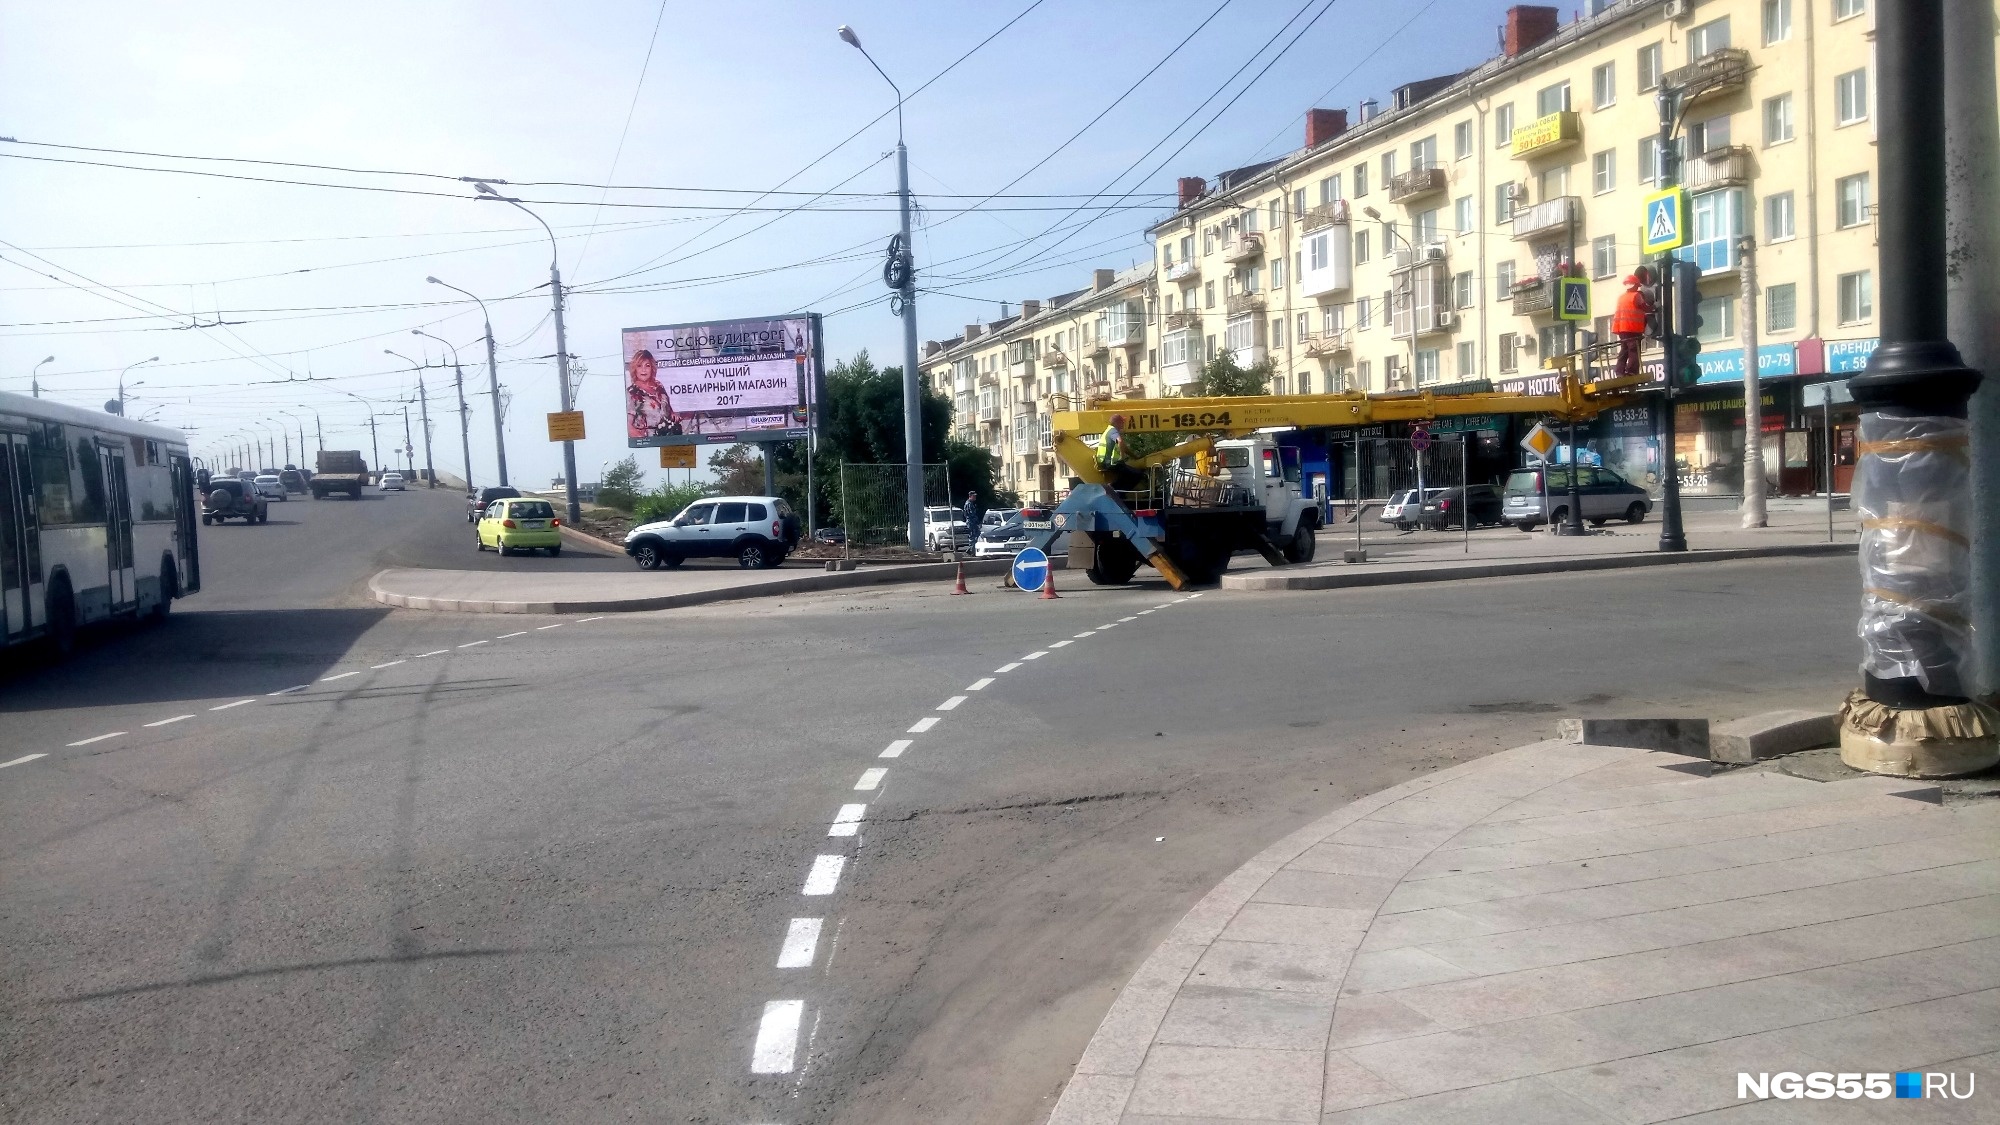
1528,26
1192,188
974,331
1322,125
1100,280
1029,307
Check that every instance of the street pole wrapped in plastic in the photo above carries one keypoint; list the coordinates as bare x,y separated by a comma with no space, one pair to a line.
1912,488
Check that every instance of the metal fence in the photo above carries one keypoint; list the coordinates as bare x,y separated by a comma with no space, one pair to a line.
874,501
1387,480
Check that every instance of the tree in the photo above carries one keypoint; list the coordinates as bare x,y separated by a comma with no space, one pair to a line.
1223,377
622,485
739,470
666,501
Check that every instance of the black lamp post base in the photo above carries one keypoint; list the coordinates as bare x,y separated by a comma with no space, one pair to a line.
1905,692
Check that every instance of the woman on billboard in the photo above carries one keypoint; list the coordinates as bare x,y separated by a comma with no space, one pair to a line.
649,409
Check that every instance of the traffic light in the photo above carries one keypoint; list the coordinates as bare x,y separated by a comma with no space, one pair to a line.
1687,323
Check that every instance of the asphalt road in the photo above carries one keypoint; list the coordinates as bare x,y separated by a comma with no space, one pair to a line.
529,869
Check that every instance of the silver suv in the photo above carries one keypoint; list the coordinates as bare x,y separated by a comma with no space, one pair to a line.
756,531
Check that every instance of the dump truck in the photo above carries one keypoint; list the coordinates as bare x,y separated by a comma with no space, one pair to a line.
1223,489
339,470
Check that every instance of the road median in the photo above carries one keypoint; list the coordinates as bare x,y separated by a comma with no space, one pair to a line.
1364,574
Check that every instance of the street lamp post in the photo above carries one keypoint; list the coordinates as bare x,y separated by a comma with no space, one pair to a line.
492,385
121,379
423,399
575,509
902,276
35,376
464,415
374,443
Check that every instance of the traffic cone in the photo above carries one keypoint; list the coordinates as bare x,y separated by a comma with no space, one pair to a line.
1049,584
960,588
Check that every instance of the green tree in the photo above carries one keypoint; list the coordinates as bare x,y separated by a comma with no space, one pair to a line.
738,469
622,485
1223,377
666,502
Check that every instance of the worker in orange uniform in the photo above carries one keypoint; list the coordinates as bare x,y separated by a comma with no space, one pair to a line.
1628,323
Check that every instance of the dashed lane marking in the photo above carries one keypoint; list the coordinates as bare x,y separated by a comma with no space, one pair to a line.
433,652
506,636
227,706
801,944
896,748
1062,644
22,758
1037,654
342,676
557,625
824,876
847,821
1144,612
99,738
588,620
1102,628
473,644
951,704
1134,617
777,1037
1083,634
980,684
167,722
922,725
871,777
1006,668
289,690
390,664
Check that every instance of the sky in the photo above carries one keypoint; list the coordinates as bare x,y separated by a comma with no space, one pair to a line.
272,304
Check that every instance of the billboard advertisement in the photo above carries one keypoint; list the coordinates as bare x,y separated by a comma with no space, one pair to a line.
721,381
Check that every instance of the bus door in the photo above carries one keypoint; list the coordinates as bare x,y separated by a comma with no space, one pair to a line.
187,551
117,527
16,530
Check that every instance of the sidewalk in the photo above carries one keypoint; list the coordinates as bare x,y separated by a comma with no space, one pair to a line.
1567,934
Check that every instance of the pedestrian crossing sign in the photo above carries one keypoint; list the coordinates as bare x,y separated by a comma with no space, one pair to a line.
1572,298
1666,221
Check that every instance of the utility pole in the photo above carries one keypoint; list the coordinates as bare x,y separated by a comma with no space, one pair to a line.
492,383
1754,514
374,443
409,442
424,402
464,421
575,510
35,377
1672,536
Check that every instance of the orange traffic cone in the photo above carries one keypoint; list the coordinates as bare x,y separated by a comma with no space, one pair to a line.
1049,584
960,588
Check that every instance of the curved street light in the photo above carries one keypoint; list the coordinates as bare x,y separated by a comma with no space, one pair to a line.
34,377
464,414
492,383
121,379
575,510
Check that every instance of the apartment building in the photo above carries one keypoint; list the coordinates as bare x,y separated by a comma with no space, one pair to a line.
1005,378
1416,245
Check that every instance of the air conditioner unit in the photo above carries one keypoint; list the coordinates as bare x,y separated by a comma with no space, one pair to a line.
1434,253
1444,318
1517,193
1679,9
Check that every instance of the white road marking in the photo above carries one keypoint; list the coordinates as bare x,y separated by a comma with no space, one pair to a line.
1191,597
824,876
922,725
227,706
433,652
1037,654
1144,612
289,690
557,625
871,777
1062,644
99,738
848,820
471,644
1102,628
896,748
777,1037
342,676
166,722
1006,668
22,758
1134,617
801,940
1082,635
506,636
1163,605
980,684
588,620
390,664
951,704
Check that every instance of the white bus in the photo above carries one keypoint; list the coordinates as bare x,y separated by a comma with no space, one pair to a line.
97,518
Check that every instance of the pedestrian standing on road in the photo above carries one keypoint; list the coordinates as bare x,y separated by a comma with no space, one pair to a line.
973,514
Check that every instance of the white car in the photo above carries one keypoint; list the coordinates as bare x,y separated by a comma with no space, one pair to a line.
270,487
944,529
392,482
756,531
1405,508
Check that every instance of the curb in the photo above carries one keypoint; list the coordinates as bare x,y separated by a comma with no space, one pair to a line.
1343,579
807,582
586,539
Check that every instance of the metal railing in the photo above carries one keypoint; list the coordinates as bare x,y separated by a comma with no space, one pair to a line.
1416,184
1326,215
1550,216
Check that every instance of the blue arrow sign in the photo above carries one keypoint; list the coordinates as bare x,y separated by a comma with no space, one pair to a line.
1031,569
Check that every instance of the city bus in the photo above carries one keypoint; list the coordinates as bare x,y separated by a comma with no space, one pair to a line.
97,518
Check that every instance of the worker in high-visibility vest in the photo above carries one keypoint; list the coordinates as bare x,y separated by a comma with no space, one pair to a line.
1111,454
1628,322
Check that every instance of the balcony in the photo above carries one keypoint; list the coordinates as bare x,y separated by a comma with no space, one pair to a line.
1240,303
1058,401
989,412
1130,386
1547,219
1186,270
1122,328
1248,247
1186,319
1546,136
1533,296
1054,358
1719,72
1410,256
989,378
1326,215
1324,345
1728,166
1415,184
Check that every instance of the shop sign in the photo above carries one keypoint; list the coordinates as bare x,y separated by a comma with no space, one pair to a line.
1553,131
1848,357
1773,360
1466,424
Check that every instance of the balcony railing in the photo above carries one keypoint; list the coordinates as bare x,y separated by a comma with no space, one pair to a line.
989,412
1184,269
1533,297
1547,218
1545,135
1054,357
1186,318
1718,72
1415,184
1320,345
1418,251
1723,167
1246,247
1240,303
1130,386
1128,333
989,378
1326,215
1058,401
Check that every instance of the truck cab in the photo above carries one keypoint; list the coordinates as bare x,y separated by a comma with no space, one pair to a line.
1270,473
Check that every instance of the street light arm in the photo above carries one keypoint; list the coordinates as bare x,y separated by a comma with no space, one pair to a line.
847,35
486,192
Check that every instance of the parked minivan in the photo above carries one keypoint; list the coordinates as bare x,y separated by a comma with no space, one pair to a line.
1603,494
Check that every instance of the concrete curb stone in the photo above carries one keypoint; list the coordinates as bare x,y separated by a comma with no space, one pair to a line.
1452,572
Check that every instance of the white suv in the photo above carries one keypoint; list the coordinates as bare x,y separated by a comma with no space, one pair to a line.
944,528
756,531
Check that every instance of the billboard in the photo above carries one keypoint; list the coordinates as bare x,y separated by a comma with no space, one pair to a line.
721,381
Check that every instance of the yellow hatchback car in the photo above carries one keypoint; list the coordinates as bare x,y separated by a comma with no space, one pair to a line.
520,525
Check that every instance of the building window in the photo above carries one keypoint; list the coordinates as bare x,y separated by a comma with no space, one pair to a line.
1208,352
1718,320
1461,140
1462,294
1424,153
1363,372
1709,136
1392,372
1277,332
1604,171
1277,273
1305,382
1461,214
1510,344
1247,222
1781,307
1777,120
1360,180
1850,200
1429,366
1707,39
1364,314
1305,325
1503,125
1333,319
1424,227
1278,384
1167,303
1552,99
1329,188
1604,257
1649,160
1275,213
1603,85
1208,294
1718,223
1360,246
1187,247
1468,359
1846,9
1503,281
1779,221
1388,169
1316,250
1777,21
1850,97
1553,340
1503,203
1649,67
1208,241
1857,297
1299,202
1555,182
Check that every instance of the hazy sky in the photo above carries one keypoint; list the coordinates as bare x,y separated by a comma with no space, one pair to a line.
737,96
